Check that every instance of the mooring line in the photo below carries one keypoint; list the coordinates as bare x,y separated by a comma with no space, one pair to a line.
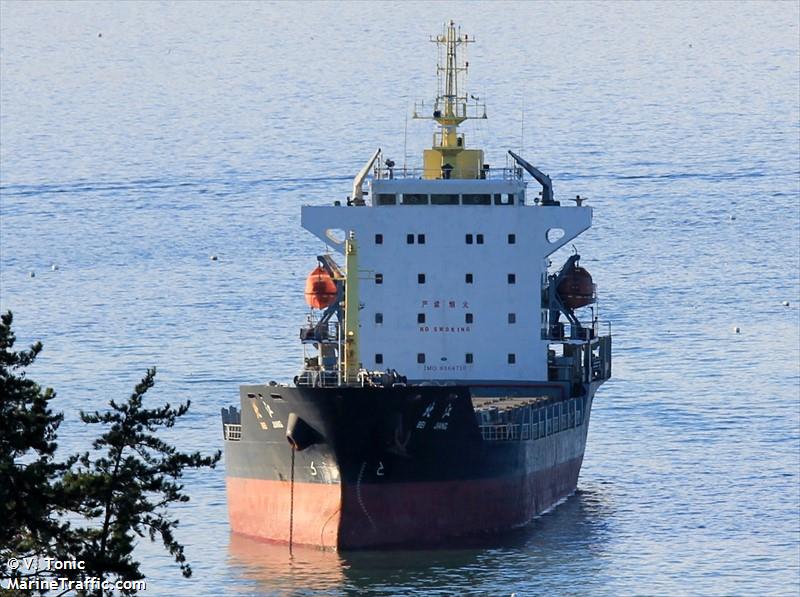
291,505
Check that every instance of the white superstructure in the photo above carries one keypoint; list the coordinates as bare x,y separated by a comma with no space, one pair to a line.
460,285
453,257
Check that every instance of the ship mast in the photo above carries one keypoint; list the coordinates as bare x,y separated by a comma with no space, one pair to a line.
448,157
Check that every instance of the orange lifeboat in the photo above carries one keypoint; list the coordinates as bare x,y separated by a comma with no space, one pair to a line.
320,289
576,288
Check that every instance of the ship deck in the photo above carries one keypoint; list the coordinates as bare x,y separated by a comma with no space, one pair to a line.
507,403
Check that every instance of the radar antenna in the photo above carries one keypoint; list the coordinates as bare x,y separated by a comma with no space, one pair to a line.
449,158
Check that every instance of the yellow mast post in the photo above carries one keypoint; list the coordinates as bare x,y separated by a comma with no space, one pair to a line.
449,157
351,307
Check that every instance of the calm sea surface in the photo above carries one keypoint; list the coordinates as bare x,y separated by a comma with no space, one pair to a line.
138,139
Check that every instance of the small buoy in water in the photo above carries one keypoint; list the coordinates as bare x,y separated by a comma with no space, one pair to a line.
213,258
99,35
736,329
54,267
785,303
32,274
733,217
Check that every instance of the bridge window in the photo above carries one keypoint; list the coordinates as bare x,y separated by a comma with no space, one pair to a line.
468,278
512,318
500,200
378,358
512,239
421,278
512,358
444,199
415,199
387,199
477,199
469,318
512,278
479,239
378,317
420,357
378,278
468,358
468,239
409,239
379,239
420,317
421,239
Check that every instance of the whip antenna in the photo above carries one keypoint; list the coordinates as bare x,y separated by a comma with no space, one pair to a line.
405,140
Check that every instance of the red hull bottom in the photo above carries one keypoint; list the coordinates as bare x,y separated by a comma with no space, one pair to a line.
357,516
265,510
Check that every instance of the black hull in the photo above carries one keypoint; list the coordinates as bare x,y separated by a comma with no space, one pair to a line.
407,465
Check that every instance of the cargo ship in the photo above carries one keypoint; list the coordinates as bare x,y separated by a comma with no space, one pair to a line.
448,368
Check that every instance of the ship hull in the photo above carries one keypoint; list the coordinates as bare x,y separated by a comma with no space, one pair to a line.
407,466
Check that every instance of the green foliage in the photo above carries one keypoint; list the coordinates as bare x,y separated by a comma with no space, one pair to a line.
119,490
130,483
29,490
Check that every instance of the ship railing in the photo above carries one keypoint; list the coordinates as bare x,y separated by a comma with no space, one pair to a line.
382,172
597,328
232,432
318,379
586,361
601,359
459,107
312,334
507,431
587,332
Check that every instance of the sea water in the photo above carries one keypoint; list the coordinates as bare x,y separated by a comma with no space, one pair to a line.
140,139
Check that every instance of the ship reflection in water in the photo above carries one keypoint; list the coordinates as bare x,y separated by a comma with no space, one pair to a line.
572,535
270,565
